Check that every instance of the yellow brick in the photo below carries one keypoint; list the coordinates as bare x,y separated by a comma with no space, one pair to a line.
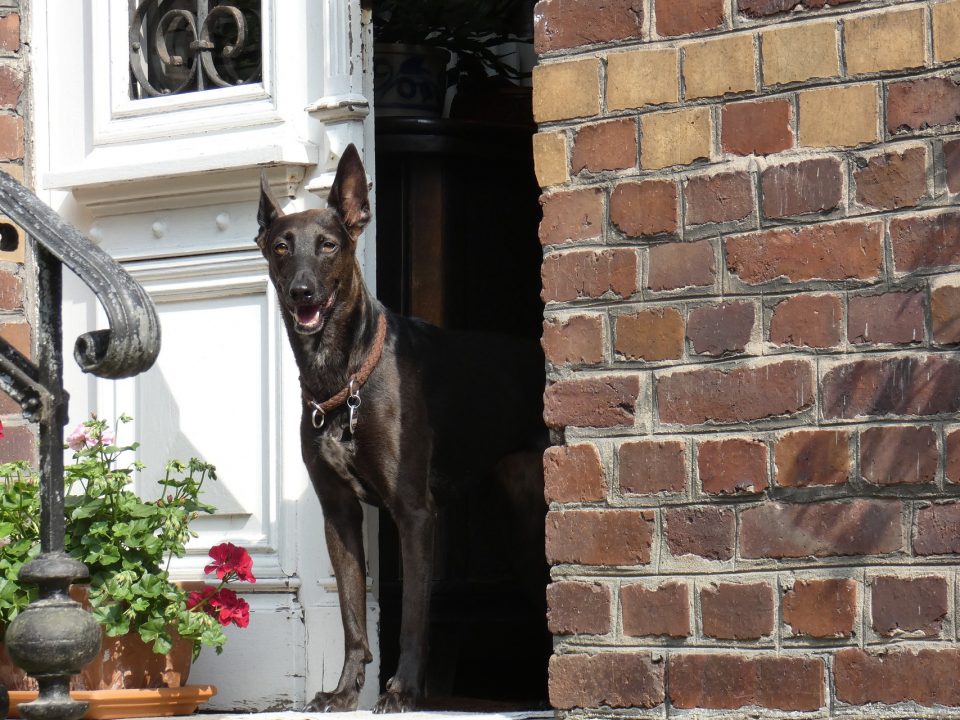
675,138
946,31
885,41
839,116
712,68
18,255
800,52
566,90
643,77
13,170
550,158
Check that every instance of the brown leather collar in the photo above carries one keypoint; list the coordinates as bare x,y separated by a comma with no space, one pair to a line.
356,380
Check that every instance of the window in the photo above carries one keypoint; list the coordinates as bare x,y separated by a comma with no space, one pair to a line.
182,46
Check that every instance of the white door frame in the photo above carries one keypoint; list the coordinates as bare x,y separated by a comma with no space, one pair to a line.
169,187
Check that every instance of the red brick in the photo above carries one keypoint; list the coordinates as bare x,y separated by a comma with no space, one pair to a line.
660,611
573,473
927,677
11,291
922,103
764,8
733,466
824,529
925,241
899,455
640,209
726,197
706,532
576,340
17,334
561,24
11,86
592,402
740,394
599,537
604,146
691,16
11,137
821,608
578,608
610,679
807,321
649,466
937,530
19,443
952,470
649,335
945,314
951,156
727,681
589,274
909,605
892,180
10,33
679,265
812,457
720,329
896,318
571,216
756,127
837,251
915,385
809,186
733,611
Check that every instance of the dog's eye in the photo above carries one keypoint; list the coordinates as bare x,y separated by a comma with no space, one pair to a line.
328,246
281,249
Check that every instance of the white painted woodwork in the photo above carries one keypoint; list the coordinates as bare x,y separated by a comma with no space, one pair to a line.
169,186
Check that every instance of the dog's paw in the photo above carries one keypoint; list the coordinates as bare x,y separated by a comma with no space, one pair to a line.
395,701
332,702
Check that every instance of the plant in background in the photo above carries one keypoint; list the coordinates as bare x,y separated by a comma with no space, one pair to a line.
469,29
126,542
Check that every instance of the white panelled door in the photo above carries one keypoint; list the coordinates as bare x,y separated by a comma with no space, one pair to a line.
168,184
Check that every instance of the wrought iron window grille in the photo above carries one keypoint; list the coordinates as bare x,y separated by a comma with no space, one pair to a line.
54,636
182,46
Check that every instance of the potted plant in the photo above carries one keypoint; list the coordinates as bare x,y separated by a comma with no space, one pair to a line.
416,39
152,627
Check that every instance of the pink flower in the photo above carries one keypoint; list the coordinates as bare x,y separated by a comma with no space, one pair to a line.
230,608
83,436
80,438
228,559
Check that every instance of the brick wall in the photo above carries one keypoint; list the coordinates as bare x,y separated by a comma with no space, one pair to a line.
752,282
19,440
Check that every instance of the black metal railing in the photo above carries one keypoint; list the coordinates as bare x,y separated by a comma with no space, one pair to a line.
54,637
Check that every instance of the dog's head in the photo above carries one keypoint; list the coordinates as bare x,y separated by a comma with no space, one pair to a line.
312,254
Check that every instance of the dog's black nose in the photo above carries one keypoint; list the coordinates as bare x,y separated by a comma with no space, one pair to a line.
302,293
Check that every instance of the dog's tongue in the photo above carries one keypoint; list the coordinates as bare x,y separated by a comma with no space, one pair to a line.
308,314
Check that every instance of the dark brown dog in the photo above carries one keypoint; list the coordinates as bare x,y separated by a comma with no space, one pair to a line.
437,408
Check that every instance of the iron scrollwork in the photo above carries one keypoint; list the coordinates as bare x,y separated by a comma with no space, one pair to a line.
179,46
54,636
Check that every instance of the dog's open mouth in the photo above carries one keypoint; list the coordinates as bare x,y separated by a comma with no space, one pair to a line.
310,318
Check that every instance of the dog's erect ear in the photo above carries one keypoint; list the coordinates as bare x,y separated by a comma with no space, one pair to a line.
269,208
348,196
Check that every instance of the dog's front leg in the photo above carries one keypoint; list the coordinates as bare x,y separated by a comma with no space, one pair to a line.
343,527
404,689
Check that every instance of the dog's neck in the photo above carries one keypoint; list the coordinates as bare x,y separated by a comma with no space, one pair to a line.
328,358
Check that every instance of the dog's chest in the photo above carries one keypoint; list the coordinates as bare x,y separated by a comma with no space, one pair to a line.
346,454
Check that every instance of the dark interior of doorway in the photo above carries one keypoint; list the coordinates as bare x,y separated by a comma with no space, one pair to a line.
457,215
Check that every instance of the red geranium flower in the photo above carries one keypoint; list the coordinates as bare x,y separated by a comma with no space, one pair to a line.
198,597
227,559
230,608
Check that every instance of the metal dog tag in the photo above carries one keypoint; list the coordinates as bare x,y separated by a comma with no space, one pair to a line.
353,402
